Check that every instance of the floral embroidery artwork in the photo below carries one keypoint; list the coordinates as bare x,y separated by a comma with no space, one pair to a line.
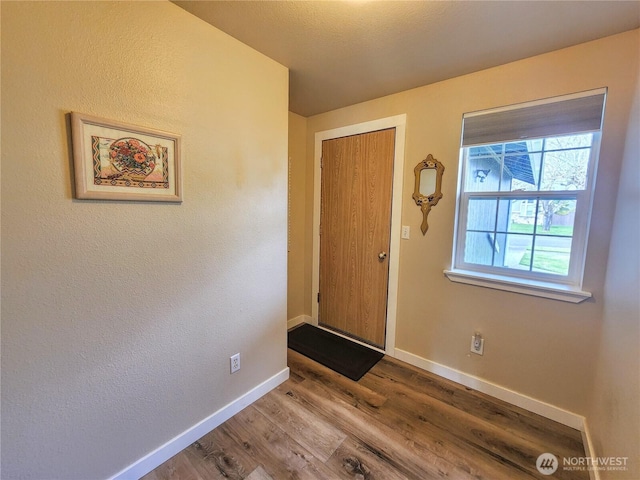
129,162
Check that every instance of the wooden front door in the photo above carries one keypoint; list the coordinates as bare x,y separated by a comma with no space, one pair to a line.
355,230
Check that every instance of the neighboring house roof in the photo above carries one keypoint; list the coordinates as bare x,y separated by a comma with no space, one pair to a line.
517,161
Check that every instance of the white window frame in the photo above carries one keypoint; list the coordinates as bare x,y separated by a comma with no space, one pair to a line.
566,288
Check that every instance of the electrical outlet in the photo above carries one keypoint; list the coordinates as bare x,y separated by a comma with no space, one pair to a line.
235,362
477,344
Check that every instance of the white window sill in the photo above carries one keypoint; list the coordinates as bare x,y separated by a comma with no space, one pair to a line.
536,288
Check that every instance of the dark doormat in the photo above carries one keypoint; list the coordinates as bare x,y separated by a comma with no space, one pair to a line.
339,354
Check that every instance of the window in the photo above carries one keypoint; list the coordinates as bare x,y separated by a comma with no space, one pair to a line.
524,203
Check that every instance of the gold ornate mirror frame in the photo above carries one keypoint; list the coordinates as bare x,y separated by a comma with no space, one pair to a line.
427,191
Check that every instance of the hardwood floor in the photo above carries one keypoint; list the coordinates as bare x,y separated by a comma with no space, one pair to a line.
397,422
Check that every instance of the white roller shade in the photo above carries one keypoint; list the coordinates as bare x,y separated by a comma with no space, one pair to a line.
565,115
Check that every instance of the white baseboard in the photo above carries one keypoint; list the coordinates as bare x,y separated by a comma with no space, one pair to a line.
147,463
294,322
547,410
589,450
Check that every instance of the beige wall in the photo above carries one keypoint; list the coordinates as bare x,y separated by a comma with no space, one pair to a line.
118,319
297,208
614,411
538,347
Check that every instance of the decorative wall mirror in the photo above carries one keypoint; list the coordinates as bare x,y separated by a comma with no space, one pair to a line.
427,191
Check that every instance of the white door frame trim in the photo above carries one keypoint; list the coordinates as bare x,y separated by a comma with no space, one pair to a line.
398,122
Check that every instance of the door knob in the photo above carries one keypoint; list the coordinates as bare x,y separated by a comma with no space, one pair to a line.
382,255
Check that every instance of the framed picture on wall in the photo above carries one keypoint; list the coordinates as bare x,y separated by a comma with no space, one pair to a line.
116,161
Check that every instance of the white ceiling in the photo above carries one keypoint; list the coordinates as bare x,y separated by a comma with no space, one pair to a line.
344,52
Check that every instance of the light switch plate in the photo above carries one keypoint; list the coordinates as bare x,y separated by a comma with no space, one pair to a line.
406,232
